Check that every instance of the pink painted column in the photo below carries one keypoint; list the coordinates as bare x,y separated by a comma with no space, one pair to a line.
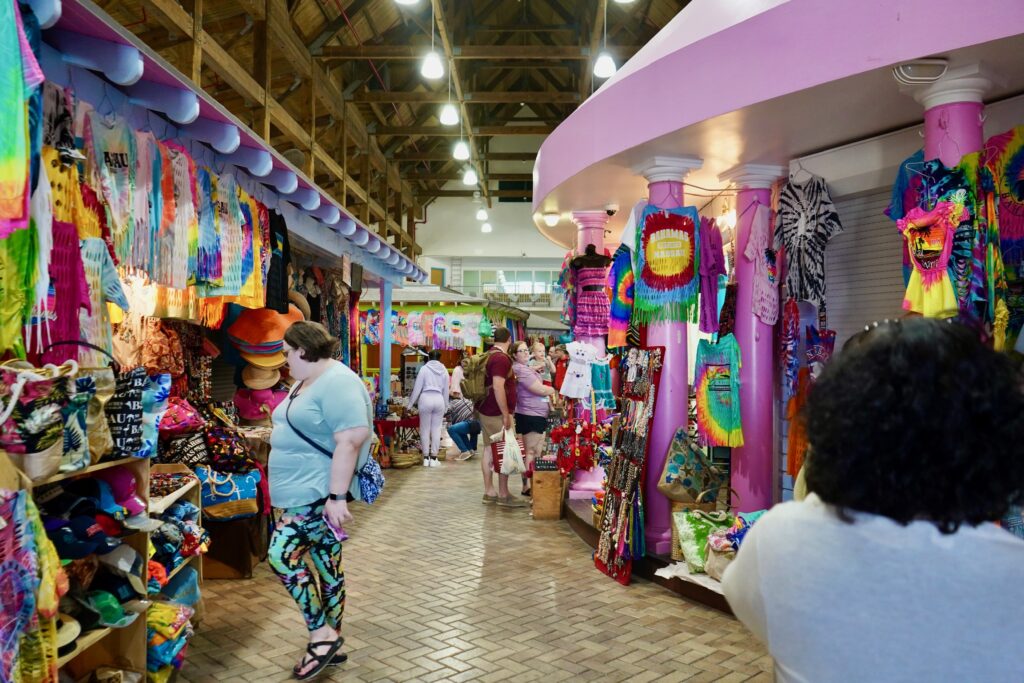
665,190
589,230
752,464
953,108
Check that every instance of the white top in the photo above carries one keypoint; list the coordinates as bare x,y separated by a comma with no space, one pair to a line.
876,601
456,382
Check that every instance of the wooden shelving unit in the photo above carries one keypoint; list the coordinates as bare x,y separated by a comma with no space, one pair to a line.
123,648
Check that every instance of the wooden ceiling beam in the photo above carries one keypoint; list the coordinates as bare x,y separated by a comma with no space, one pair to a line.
483,97
445,177
524,28
334,26
444,34
466,52
445,155
453,131
511,194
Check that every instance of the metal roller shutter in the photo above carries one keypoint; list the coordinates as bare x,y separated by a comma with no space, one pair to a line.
863,265
863,279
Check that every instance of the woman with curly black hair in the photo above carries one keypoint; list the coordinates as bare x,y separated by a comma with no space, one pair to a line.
891,569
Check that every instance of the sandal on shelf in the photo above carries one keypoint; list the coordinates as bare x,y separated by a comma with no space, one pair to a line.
322,660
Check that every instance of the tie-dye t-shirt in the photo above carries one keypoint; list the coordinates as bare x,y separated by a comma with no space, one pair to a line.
718,392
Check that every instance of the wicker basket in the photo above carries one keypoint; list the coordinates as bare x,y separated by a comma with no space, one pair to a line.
401,461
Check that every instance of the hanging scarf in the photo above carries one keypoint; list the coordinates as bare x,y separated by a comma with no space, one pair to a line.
667,252
620,279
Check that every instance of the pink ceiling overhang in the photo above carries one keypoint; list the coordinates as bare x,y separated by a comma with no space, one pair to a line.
720,56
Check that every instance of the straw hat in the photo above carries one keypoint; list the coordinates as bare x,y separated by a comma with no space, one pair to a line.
260,378
265,361
301,303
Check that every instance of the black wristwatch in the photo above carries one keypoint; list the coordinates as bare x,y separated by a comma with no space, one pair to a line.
335,496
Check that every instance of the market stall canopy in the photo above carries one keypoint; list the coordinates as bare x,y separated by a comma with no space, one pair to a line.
433,294
540,322
761,82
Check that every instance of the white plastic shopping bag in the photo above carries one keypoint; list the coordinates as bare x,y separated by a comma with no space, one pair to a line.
512,458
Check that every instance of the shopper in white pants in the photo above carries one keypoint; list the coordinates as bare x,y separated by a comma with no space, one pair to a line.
430,396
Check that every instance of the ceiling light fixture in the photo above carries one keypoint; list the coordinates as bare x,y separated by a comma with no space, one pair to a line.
486,227
621,2
481,214
470,177
449,114
461,151
551,218
407,2
920,71
605,67
432,67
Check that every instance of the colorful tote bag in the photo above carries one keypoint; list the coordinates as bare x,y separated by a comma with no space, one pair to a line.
688,472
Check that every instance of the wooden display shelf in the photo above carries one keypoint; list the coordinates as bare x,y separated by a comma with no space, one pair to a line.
84,642
87,470
177,570
158,506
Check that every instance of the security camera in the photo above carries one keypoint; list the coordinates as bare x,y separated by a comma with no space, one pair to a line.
611,209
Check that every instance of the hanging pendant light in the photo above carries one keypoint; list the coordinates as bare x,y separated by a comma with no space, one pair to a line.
470,177
461,151
449,114
413,2
481,214
486,227
605,67
432,67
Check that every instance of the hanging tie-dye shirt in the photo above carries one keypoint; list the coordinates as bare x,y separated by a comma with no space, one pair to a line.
20,75
114,163
930,236
718,392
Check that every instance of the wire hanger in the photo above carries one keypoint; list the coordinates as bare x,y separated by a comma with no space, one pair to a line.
799,167
109,117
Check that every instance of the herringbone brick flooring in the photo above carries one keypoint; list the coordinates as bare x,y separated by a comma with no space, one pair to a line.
442,588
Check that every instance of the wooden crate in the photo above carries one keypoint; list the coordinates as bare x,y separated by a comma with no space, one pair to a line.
548,495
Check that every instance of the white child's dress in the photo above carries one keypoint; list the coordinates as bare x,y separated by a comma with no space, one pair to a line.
577,383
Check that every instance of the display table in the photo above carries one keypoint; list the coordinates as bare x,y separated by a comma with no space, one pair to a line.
399,434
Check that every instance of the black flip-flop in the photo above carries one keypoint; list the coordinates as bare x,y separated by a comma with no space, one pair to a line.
322,661
339,659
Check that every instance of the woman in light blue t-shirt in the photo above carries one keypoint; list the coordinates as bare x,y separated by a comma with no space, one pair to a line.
328,411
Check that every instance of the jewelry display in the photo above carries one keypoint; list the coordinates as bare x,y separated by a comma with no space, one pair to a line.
621,531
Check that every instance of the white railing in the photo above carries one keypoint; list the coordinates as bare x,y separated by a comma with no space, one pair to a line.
546,300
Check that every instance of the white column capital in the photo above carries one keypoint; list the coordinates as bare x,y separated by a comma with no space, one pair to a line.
752,176
590,219
967,83
659,169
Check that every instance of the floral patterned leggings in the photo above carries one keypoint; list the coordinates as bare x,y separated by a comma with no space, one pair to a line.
320,594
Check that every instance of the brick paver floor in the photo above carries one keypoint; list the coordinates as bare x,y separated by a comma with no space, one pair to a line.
443,588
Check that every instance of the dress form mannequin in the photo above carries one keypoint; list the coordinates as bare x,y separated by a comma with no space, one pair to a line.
591,259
